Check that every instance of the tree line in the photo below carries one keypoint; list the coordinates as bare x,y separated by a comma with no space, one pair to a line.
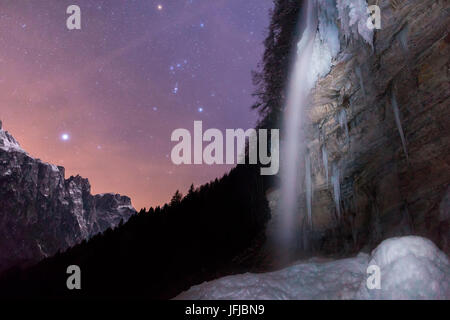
159,252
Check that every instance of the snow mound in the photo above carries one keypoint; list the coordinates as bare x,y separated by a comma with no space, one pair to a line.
307,280
411,268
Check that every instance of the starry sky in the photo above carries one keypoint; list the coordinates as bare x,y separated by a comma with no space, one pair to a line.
103,101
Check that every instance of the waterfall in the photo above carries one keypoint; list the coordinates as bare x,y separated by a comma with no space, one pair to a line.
335,181
300,84
325,161
398,122
318,45
308,184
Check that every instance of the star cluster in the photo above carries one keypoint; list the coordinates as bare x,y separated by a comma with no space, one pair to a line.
102,101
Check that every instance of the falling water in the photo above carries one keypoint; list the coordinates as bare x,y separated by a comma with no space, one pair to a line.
308,184
300,84
335,181
398,122
325,161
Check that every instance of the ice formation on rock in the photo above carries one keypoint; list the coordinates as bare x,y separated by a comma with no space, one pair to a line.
353,15
309,188
398,122
361,81
342,118
403,38
325,162
326,42
336,183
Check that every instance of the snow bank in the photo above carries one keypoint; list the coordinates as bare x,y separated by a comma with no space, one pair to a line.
411,268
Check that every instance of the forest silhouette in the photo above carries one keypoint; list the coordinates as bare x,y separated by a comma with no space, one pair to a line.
159,252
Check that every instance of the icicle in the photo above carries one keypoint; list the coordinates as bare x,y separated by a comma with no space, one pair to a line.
403,38
335,181
361,82
398,121
408,220
342,117
325,161
308,183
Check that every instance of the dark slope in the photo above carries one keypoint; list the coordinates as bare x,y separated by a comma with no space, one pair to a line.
158,253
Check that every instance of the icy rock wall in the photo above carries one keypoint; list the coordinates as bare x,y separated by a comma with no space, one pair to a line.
379,178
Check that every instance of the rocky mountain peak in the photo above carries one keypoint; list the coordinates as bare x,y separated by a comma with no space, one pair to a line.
7,141
41,212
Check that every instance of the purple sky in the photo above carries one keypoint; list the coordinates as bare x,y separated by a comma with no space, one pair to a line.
119,86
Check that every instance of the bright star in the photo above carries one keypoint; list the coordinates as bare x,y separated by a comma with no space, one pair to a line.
200,109
65,137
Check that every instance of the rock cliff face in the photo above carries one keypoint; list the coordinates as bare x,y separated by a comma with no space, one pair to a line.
41,212
379,133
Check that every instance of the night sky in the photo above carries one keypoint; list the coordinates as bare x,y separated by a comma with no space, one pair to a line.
103,101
